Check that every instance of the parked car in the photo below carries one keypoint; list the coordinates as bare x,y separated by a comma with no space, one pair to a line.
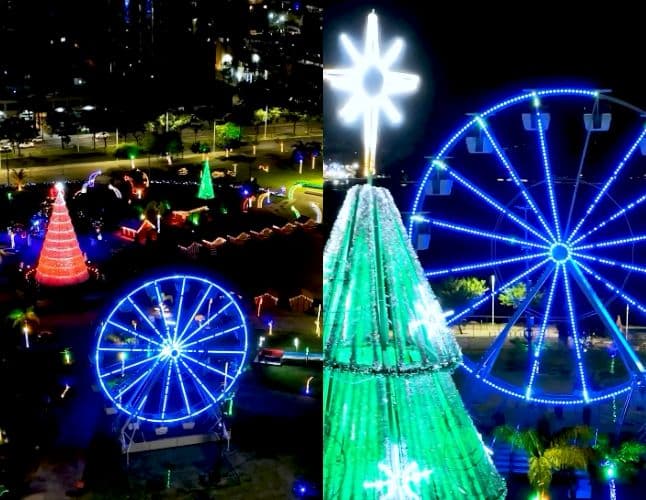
37,139
102,135
27,144
5,148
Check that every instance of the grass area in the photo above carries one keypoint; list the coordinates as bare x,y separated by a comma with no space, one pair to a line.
292,378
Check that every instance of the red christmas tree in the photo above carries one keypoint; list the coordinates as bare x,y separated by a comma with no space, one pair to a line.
61,262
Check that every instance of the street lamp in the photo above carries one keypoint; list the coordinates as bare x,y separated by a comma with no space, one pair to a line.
296,343
493,297
255,58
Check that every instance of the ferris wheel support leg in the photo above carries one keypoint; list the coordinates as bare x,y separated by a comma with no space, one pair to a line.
624,410
489,358
628,356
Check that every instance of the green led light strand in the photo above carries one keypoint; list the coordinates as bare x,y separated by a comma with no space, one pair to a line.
395,426
206,183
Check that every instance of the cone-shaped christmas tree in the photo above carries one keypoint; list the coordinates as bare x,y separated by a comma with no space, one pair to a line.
206,184
395,426
61,262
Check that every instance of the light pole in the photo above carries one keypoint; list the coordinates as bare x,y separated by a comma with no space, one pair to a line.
627,310
493,297
266,116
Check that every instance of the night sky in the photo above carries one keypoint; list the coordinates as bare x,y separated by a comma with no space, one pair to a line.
469,55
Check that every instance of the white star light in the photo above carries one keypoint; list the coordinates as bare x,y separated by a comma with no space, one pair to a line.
399,477
371,84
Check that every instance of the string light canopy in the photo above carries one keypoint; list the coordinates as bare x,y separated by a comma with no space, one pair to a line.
371,83
61,262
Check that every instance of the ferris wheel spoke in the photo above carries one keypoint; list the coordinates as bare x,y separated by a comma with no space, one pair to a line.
491,355
611,263
575,336
547,169
630,359
627,208
609,182
161,309
213,336
487,295
198,381
134,333
183,339
146,318
536,354
208,367
488,199
125,367
196,310
166,388
138,379
513,174
611,243
126,349
482,265
484,234
212,351
178,313
180,379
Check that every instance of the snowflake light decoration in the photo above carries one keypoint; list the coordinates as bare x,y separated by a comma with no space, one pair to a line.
399,477
371,83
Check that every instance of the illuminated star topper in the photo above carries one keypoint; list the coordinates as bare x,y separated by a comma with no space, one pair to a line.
371,83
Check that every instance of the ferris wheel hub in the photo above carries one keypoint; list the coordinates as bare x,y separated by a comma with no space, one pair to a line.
560,253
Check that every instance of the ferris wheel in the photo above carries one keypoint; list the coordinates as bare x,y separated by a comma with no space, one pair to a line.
540,198
171,349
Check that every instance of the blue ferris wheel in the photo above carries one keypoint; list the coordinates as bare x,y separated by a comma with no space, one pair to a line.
171,349
541,197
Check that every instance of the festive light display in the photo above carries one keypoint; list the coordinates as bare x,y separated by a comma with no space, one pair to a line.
206,183
184,355
561,256
61,261
394,424
371,83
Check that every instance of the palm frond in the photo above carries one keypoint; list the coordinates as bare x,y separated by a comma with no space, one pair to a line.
566,457
579,433
540,473
630,451
525,439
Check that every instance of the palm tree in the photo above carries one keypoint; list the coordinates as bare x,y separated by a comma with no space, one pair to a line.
549,452
617,461
26,320
19,176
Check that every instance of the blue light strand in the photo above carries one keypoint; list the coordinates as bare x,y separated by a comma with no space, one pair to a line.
612,287
514,176
487,295
210,351
161,309
137,380
184,340
127,367
133,332
126,349
481,265
493,109
166,387
608,182
624,388
195,311
575,335
181,384
613,263
199,381
481,194
541,336
486,234
215,370
178,313
611,243
546,167
213,336
614,216
146,319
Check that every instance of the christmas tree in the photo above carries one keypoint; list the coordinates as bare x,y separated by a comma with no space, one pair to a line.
394,425
61,262
206,184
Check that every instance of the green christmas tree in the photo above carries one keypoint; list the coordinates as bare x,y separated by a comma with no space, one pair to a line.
206,184
395,426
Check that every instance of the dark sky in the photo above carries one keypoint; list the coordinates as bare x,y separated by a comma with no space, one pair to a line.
470,54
